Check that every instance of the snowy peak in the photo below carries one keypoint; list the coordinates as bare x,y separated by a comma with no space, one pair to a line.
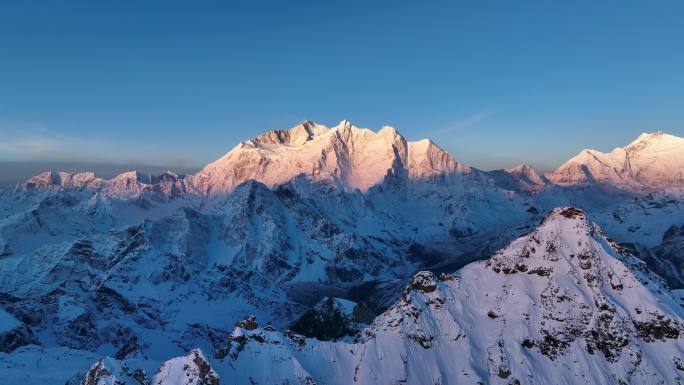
51,180
189,370
426,160
562,294
563,234
127,185
527,172
344,155
658,139
567,246
653,160
518,178
561,214
297,135
351,158
192,369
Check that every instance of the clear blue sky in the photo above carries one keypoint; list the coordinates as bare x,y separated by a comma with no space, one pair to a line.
180,83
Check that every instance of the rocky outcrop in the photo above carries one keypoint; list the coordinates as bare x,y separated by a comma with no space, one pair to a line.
331,319
17,337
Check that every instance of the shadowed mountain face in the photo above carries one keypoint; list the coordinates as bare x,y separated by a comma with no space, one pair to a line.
318,229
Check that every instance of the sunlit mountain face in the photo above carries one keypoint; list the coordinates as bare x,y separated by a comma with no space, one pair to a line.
337,255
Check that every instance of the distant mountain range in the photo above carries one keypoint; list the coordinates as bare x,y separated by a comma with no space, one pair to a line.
363,257
13,172
358,158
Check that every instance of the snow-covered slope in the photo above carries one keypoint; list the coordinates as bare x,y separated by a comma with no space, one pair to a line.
652,161
561,305
146,267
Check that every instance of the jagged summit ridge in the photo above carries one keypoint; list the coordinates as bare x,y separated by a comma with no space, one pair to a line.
359,158
53,180
346,155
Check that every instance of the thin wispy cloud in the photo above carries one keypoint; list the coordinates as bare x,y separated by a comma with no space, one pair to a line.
40,143
461,124
31,150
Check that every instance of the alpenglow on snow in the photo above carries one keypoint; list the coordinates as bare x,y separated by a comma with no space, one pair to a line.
342,255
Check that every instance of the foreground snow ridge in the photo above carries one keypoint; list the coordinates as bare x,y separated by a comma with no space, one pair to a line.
192,369
560,305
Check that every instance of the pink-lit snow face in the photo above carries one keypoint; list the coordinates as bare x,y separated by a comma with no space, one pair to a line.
653,160
351,157
354,158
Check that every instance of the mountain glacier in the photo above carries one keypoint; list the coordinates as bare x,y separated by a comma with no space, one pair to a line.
144,268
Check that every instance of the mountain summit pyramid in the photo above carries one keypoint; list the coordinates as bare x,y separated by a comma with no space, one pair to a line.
653,160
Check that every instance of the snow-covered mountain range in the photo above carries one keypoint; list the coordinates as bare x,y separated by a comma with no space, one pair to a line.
347,156
144,268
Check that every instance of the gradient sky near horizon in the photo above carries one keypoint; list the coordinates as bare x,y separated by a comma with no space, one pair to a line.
496,83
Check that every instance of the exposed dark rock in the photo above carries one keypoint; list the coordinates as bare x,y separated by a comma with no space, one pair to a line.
528,343
16,338
552,346
206,375
541,271
608,336
424,341
131,346
96,372
324,322
656,329
424,281
678,363
247,323
571,212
